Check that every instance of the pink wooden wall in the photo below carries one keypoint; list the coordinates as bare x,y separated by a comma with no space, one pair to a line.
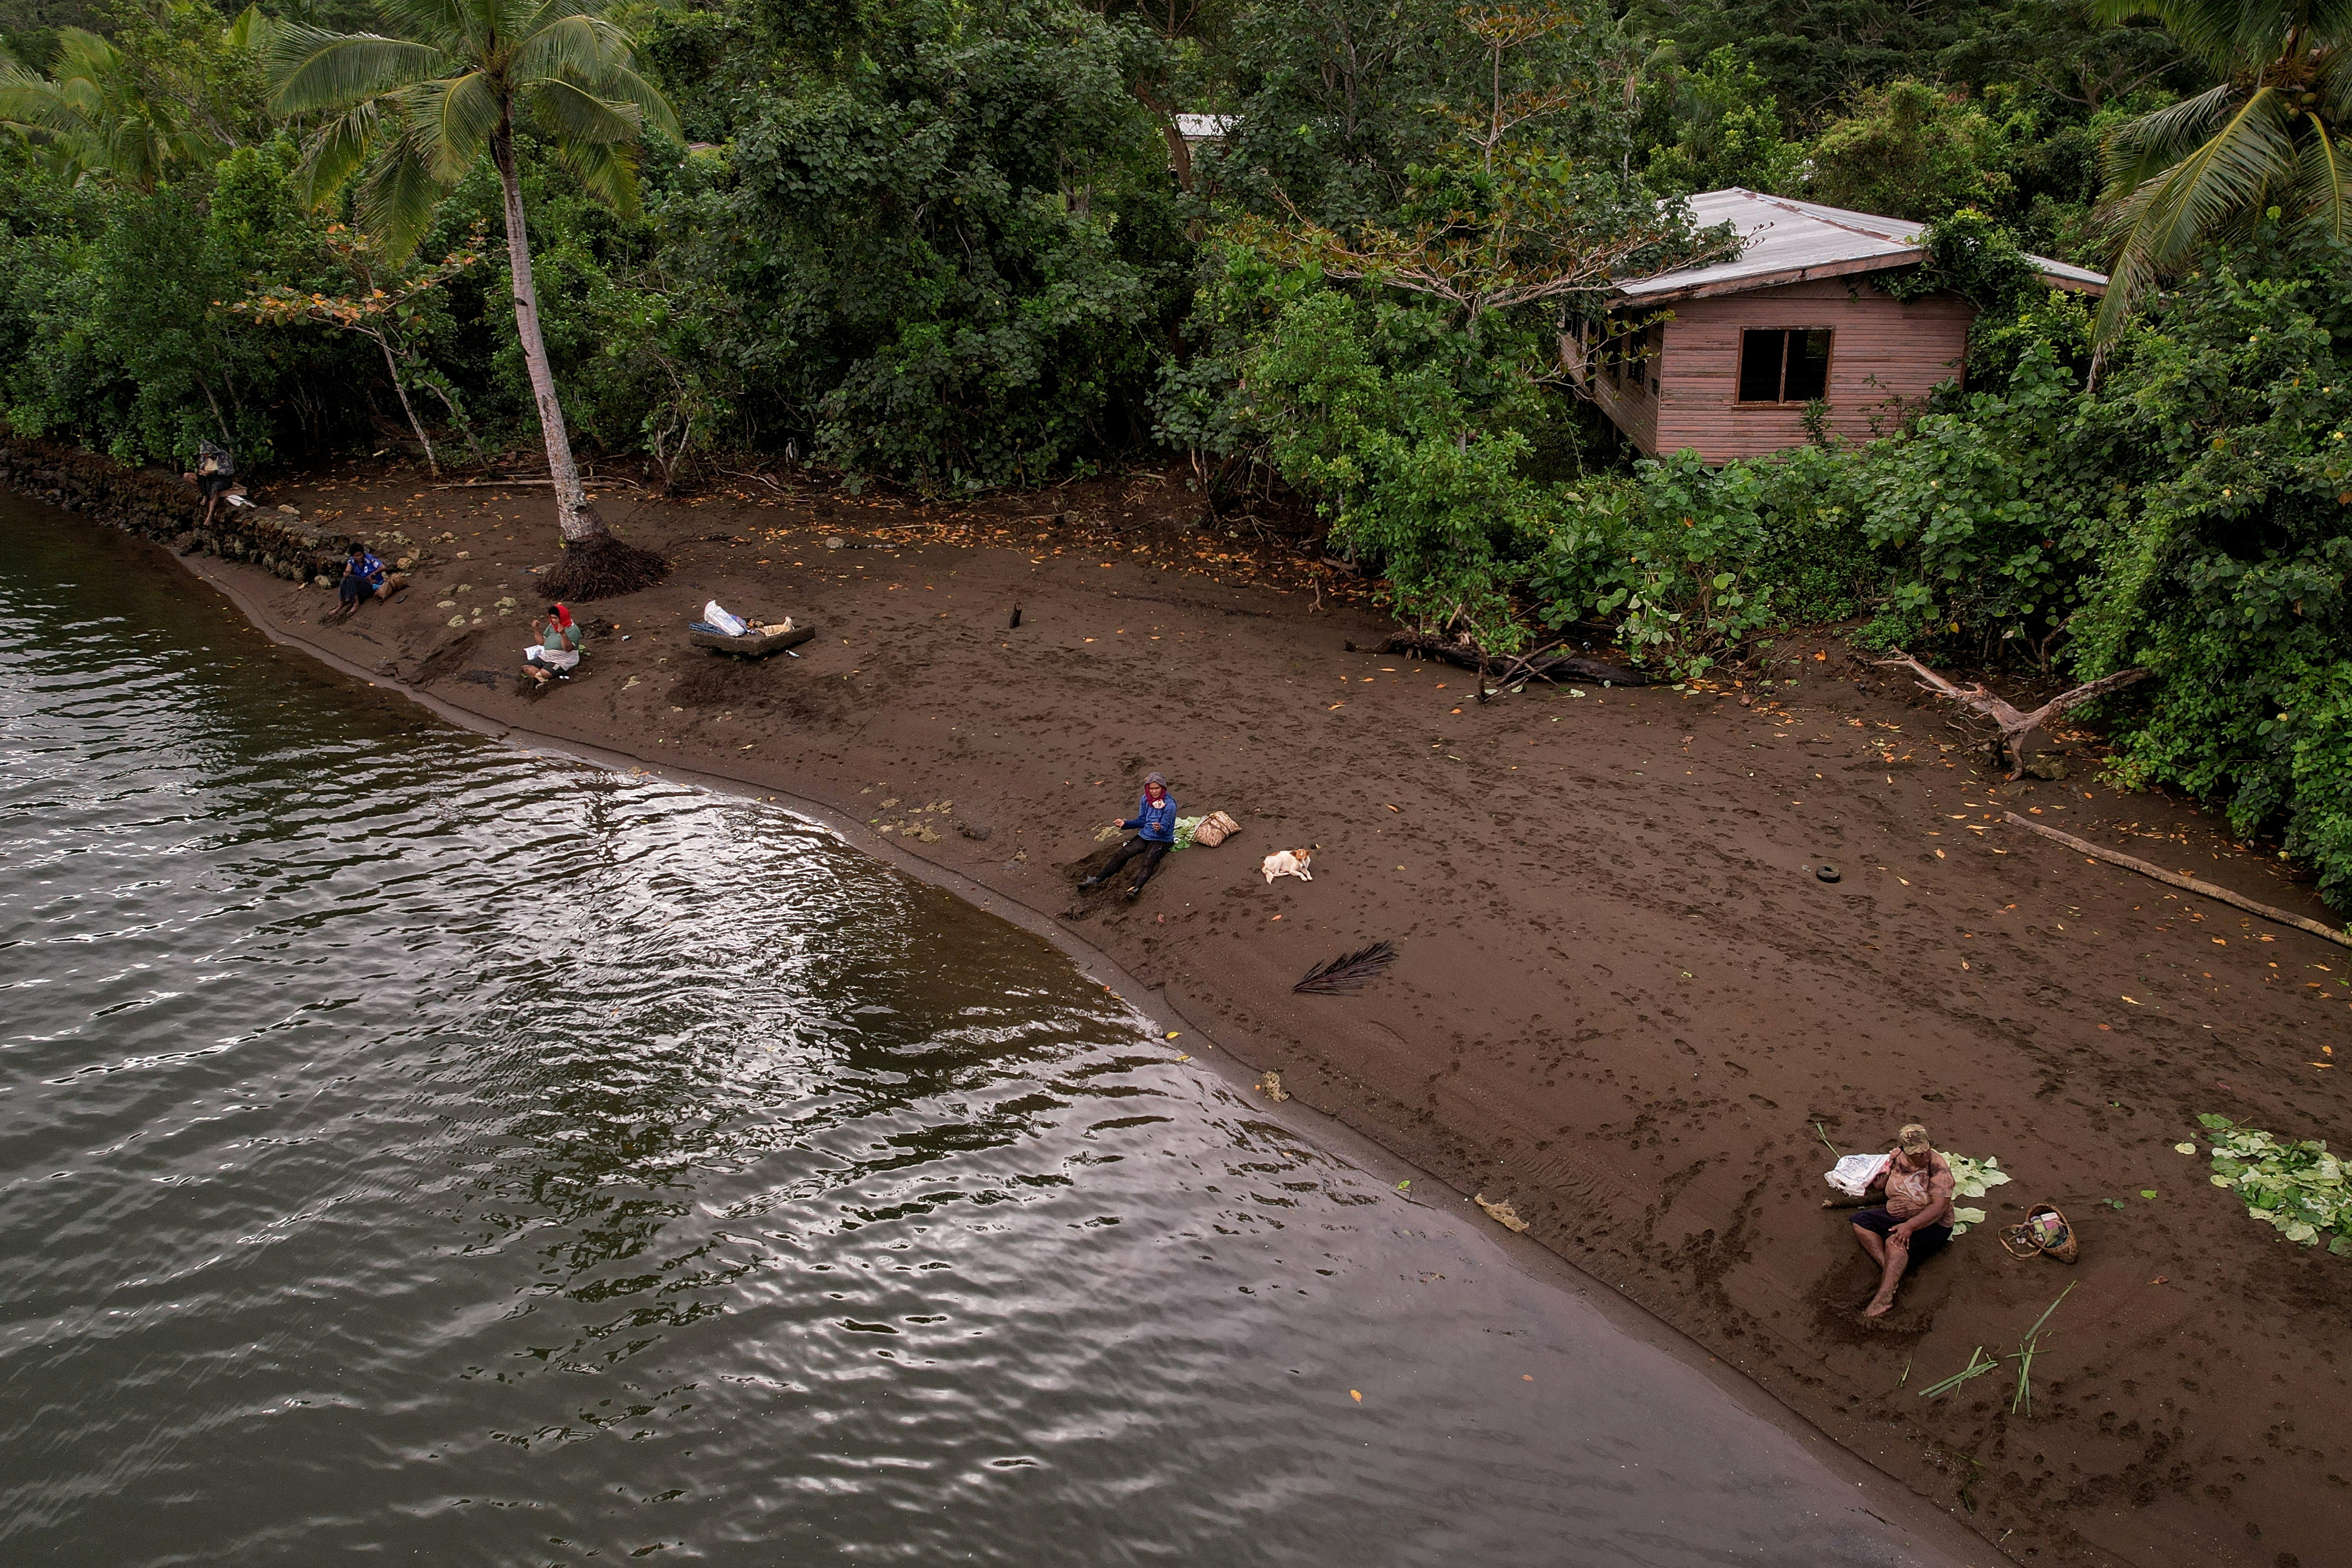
1626,398
1887,355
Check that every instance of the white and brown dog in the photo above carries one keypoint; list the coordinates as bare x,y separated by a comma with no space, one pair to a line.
1287,863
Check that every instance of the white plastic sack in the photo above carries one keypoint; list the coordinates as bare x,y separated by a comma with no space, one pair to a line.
1853,1174
733,625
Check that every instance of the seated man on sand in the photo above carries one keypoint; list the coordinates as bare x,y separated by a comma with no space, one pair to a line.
365,578
557,652
1915,1222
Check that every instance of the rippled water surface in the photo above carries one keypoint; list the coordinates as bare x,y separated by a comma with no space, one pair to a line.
414,1146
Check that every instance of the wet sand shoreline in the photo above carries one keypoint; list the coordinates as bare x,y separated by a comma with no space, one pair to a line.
1625,1024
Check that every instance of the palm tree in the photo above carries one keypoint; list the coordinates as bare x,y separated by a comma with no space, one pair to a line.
407,116
93,116
2268,135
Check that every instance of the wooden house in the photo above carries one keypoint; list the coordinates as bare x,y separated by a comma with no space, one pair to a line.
1725,359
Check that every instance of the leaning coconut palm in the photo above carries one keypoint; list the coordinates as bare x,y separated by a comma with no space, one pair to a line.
408,116
2268,135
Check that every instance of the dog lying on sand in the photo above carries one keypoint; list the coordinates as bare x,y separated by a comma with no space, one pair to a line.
1287,863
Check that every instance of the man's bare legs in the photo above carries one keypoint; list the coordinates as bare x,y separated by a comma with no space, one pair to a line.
1893,1255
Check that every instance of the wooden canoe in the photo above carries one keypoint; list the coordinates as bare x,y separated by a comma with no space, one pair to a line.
752,645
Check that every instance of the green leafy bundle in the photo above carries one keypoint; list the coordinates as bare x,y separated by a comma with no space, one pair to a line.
1972,1179
2299,1188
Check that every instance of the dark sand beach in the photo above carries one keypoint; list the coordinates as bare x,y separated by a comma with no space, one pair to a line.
1625,1003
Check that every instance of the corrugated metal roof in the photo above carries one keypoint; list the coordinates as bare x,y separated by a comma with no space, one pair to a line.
1788,241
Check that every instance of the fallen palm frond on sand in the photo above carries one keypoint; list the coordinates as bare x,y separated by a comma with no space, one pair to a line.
1339,976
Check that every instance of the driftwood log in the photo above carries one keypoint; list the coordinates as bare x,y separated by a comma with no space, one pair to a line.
752,645
512,484
2186,883
1541,666
2014,726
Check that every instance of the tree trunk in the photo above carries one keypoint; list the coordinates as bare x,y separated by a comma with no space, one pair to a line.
1179,152
432,463
575,515
594,565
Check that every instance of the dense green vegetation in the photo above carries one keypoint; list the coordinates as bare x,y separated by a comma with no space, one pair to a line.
956,247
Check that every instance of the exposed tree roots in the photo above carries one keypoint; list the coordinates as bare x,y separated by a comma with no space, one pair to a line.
601,567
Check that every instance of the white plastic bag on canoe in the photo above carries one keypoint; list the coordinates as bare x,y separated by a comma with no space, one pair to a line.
732,625
1853,1174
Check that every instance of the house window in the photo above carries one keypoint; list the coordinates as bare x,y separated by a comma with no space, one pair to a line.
1784,366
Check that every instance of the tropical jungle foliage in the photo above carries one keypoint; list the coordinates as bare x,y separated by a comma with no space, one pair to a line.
956,247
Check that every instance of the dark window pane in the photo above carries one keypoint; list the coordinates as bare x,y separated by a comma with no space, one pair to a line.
1808,366
1759,365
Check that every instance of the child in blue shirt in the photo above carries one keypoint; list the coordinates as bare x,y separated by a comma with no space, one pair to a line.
365,578
1155,834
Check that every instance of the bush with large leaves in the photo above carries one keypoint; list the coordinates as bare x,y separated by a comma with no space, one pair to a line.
111,327
964,256
2227,424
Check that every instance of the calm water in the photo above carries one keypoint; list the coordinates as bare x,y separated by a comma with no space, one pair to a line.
412,1146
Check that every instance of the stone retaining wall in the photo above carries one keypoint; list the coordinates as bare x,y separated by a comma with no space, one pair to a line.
167,509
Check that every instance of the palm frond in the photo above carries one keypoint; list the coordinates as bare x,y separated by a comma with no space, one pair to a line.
2247,157
2155,225
316,70
456,119
397,197
605,170
1348,971
547,13
572,46
2320,188
34,105
2210,30
519,19
571,114
2155,141
251,30
336,151
622,85
457,26
82,53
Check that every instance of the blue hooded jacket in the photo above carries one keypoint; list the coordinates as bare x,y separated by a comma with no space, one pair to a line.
1154,824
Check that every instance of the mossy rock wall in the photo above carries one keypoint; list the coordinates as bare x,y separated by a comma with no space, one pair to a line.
166,507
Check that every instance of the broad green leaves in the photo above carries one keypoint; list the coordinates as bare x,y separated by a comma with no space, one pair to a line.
2299,1188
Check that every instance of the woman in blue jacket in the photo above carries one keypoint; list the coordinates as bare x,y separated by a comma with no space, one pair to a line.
1155,834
